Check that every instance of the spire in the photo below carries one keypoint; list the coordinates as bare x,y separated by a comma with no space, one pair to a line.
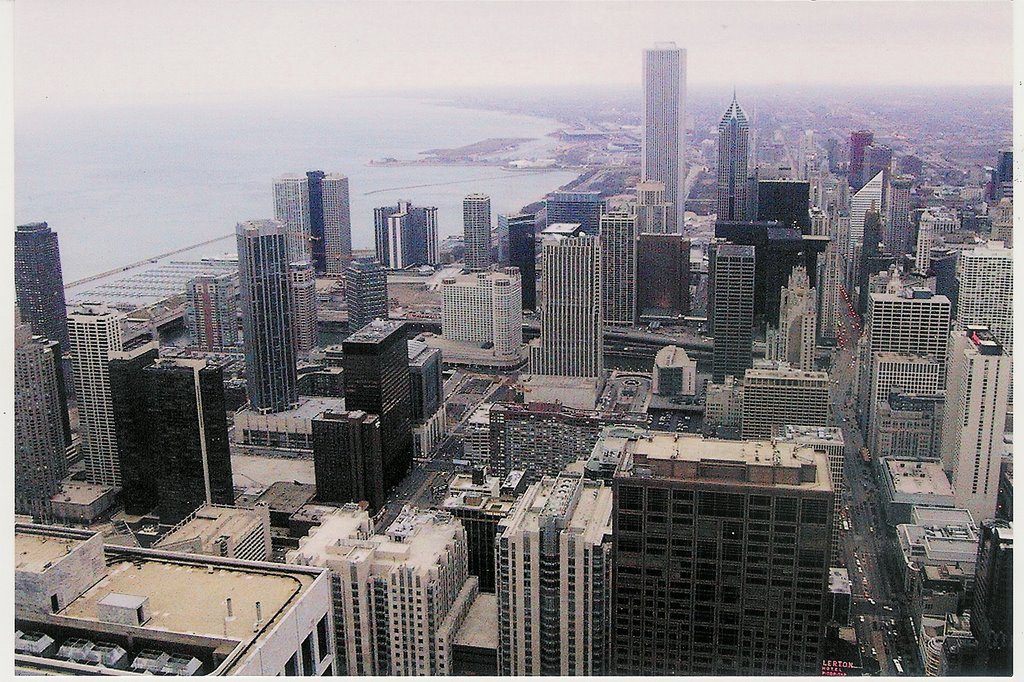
735,111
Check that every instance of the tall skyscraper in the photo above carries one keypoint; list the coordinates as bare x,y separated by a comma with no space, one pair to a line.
571,329
406,235
347,463
584,208
39,283
663,144
39,410
794,339
212,312
897,231
731,314
172,433
366,292
977,394
554,579
652,211
618,263
302,294
336,246
663,275
484,308
731,599
859,140
985,291
867,198
95,331
992,610
314,180
267,316
878,159
1004,174
733,137
376,362
476,225
291,207
522,254
773,398
787,201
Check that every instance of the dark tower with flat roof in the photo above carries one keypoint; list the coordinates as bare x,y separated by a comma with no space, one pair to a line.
347,463
39,284
522,253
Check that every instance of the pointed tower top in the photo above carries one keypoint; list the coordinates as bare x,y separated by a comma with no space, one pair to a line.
735,111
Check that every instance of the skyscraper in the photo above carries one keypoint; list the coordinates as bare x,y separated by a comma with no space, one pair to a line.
376,362
571,329
476,225
347,462
522,254
977,388
731,314
794,338
992,610
366,292
302,294
652,211
584,208
787,201
663,145
878,159
867,198
618,263
733,137
406,235
291,207
484,308
39,438
773,398
212,312
38,282
267,317
95,331
1004,174
859,140
663,275
985,291
897,231
314,180
337,225
172,433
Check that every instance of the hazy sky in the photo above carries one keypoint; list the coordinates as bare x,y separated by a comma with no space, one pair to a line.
73,51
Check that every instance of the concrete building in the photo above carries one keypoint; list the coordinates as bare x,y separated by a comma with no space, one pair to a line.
618,233
908,425
476,436
289,430
337,224
908,483
96,331
392,590
663,285
975,416
674,372
985,291
80,502
903,372
366,292
554,580
794,339
732,599
867,198
406,235
469,640
652,211
784,395
932,224
39,282
1002,222
733,139
476,223
141,611
830,281
302,294
216,530
731,309
291,208
347,461
212,312
936,540
428,407
724,405
663,141
584,208
571,328
484,308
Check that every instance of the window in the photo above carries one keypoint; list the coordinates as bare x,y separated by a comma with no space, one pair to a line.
323,646
307,655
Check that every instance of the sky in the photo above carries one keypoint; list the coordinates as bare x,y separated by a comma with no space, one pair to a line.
71,52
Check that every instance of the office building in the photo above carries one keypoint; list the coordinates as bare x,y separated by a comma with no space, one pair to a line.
347,461
985,291
1001,216
908,425
975,417
731,313
476,225
291,208
366,292
393,591
867,198
212,312
906,484
652,211
554,580
268,321
584,208
785,201
733,138
314,180
794,339
663,141
992,611
737,600
95,331
618,268
869,258
427,390
302,293
571,329
39,283
859,140
878,159
932,224
172,433
485,308
1003,184
829,283
663,281
904,372
111,609
39,411
784,395
222,531
376,363
522,254
332,249
406,235
291,429
674,372
898,230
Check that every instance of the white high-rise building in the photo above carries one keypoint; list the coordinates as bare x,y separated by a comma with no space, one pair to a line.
618,262
831,279
302,294
868,198
554,579
977,394
484,307
985,291
663,144
476,225
931,225
291,207
571,328
95,331
337,223
652,211
774,397
914,374
794,339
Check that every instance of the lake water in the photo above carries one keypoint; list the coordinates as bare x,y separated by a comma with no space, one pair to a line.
123,185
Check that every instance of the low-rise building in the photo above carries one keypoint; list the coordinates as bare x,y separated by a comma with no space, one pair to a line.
674,372
216,530
290,430
939,550
908,483
723,409
908,426
82,502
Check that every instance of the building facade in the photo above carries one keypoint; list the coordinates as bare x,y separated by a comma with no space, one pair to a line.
733,138
652,211
522,254
484,308
476,225
584,208
337,225
39,282
731,309
347,463
985,291
773,398
618,238
302,295
794,339
291,207
212,312
406,235
663,280
366,292
663,141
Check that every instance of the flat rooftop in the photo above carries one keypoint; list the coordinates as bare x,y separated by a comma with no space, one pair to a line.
911,477
308,408
577,392
35,553
673,356
211,522
480,629
81,492
375,331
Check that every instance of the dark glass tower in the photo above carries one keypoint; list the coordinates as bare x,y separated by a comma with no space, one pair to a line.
405,235
663,275
38,282
733,141
347,458
731,314
787,201
584,208
366,292
859,139
522,254
266,315
992,614
316,220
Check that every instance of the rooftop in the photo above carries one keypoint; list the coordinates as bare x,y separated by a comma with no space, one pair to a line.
673,356
839,581
565,501
36,552
210,522
480,629
912,477
562,229
812,434
81,492
376,331
287,495
308,408
577,392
